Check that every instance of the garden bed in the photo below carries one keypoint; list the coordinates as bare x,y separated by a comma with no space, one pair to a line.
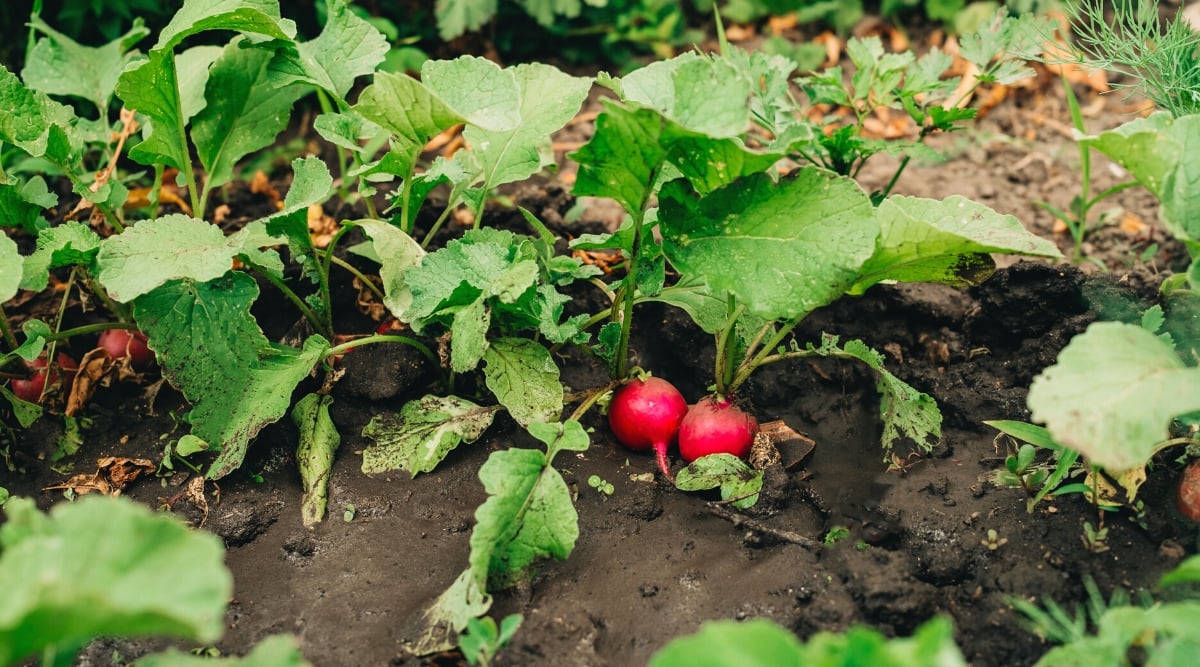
925,534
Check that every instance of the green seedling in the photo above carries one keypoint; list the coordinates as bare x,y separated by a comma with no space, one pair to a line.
1095,538
835,534
600,485
483,638
993,541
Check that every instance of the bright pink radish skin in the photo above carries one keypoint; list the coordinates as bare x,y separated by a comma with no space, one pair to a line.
645,414
716,426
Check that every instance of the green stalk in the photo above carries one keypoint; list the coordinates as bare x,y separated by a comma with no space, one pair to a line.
198,201
382,338
726,342
1085,169
31,39
405,205
436,226
326,261
327,107
291,295
362,278
592,397
10,339
754,359
628,291
86,329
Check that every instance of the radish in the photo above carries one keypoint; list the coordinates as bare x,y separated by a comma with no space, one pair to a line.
716,426
32,388
121,343
645,415
1187,496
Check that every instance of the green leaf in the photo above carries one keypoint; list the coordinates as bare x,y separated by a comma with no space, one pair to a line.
32,122
273,651
1160,152
319,441
1186,572
567,436
347,48
191,68
454,17
152,88
622,159
25,412
258,17
409,111
753,643
484,93
547,99
245,110
783,249
424,432
1113,393
949,242
58,593
156,251
1025,432
211,349
17,211
69,244
527,517
10,268
523,376
483,263
469,328
731,474
708,96
397,252
58,65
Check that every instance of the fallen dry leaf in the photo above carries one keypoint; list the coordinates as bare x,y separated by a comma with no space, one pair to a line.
793,446
321,227
261,185
113,474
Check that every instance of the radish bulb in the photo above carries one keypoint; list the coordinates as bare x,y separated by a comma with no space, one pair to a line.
121,343
1187,494
716,426
645,415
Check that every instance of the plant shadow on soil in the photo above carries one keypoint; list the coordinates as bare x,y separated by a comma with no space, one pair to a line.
653,563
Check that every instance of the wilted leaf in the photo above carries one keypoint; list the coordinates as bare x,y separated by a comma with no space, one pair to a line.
736,480
319,440
424,432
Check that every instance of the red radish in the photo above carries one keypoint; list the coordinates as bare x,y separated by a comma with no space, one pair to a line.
645,414
31,389
121,343
716,426
1187,496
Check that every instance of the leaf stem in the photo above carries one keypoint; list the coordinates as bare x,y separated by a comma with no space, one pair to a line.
628,290
342,161
726,341
291,295
755,358
382,338
436,225
593,396
10,339
362,277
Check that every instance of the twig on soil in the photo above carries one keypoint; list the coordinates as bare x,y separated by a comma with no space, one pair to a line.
741,521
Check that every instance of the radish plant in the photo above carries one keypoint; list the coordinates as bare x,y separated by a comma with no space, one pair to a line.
757,250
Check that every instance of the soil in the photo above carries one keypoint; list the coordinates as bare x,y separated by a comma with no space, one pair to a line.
653,563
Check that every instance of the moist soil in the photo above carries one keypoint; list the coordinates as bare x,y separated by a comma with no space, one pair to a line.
653,563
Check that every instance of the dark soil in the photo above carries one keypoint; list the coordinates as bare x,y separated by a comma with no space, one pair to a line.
653,563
